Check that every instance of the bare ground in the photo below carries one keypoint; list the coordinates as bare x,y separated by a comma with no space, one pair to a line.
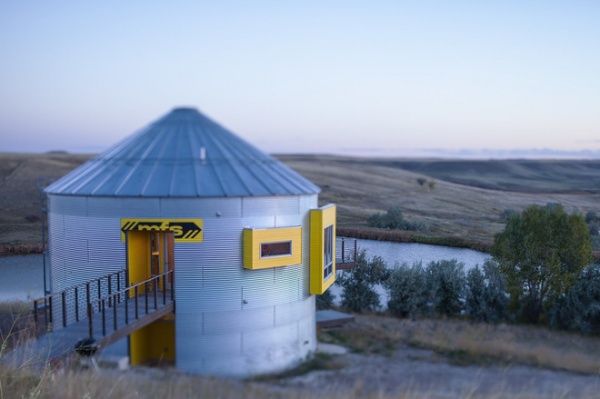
416,372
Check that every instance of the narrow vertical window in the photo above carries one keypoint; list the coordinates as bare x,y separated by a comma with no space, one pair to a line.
328,252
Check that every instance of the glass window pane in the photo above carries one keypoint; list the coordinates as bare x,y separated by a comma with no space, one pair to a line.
270,249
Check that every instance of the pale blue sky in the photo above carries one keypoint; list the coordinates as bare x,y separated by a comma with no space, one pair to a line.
376,77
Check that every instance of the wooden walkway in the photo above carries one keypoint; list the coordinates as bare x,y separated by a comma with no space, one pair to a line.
112,318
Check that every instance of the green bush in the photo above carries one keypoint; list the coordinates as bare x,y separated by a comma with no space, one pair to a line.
392,219
447,286
486,299
593,222
358,284
507,214
579,309
325,300
408,291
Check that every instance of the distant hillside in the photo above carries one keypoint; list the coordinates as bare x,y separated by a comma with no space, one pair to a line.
444,195
510,175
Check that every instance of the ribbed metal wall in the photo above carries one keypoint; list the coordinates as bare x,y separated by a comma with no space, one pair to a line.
230,321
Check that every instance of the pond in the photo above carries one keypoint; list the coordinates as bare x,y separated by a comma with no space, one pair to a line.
21,277
398,253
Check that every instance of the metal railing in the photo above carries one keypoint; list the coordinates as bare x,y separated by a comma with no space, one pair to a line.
71,305
346,250
148,292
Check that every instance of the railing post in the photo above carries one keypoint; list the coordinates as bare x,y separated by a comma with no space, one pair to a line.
155,288
103,306
126,299
137,313
172,285
119,285
51,313
115,313
87,293
64,308
109,290
90,313
76,305
146,295
343,250
99,295
164,288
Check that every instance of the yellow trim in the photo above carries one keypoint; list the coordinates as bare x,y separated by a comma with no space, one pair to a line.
319,220
253,238
184,230
138,258
155,342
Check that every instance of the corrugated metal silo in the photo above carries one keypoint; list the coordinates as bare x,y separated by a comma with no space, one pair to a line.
242,285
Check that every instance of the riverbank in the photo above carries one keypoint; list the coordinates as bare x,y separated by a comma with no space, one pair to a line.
412,237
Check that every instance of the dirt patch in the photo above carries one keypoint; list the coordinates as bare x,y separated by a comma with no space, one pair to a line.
414,372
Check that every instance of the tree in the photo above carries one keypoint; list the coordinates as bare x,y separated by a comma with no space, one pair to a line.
542,252
359,284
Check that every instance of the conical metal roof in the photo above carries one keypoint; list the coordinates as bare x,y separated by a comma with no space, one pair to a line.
183,154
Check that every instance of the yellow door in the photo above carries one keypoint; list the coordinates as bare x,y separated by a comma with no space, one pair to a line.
149,254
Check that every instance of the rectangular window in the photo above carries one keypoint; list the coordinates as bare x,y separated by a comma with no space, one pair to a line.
273,249
276,247
328,252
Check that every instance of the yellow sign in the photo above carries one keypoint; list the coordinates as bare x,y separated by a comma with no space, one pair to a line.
184,230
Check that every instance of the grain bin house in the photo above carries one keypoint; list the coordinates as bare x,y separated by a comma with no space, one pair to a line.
232,235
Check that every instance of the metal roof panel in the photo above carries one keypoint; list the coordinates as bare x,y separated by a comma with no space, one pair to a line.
183,154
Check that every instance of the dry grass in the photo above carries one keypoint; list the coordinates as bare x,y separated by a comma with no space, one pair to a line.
456,340
456,214
473,343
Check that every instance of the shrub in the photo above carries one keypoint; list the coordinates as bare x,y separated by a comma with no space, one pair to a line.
593,222
358,284
421,181
393,219
486,299
325,300
507,214
408,291
447,286
579,308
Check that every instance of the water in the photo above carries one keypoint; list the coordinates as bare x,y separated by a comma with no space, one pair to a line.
398,253
21,278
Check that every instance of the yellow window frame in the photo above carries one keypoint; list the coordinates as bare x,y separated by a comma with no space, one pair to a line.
320,220
253,239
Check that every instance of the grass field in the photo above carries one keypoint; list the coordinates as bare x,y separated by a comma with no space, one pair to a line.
451,203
